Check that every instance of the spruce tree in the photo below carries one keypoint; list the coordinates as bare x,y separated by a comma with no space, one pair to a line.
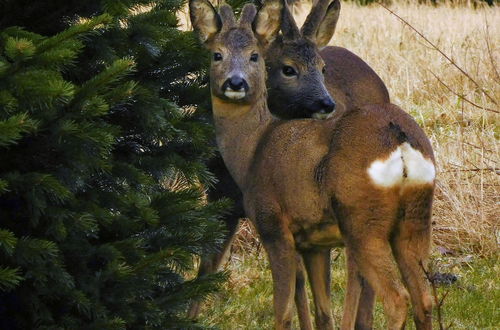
103,144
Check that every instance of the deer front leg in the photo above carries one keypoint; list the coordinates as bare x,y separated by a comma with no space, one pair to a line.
318,269
279,244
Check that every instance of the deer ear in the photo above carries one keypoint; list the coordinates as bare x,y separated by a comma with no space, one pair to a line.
266,24
327,27
205,20
288,25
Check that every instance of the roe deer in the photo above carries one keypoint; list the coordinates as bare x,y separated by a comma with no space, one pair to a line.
296,90
364,179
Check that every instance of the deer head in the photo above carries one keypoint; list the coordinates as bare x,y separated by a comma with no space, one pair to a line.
237,71
295,68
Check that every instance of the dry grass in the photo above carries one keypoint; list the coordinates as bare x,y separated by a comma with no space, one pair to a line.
424,83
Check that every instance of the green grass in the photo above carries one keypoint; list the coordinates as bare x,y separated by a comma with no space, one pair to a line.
473,302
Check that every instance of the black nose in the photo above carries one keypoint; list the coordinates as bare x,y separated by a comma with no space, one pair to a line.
236,83
327,105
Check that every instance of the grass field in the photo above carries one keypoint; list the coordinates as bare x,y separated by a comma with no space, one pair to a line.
472,302
459,112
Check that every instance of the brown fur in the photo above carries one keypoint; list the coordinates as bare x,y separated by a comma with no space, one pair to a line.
350,81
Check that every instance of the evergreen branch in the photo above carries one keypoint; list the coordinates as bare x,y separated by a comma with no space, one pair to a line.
8,241
9,278
76,31
12,129
103,81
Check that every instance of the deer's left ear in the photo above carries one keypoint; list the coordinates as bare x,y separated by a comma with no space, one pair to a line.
205,20
327,26
266,24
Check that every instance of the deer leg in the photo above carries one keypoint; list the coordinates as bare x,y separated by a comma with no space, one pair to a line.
280,247
376,263
318,270
211,263
353,292
359,300
411,246
364,317
301,300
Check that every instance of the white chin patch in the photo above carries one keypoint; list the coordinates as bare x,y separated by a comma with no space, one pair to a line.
318,115
235,95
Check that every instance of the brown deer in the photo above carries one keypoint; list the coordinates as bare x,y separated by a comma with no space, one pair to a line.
364,179
296,90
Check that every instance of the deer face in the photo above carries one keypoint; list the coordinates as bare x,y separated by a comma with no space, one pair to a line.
295,68
295,83
237,66
237,72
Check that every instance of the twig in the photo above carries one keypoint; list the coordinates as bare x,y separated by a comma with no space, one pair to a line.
440,51
477,147
437,302
461,95
492,169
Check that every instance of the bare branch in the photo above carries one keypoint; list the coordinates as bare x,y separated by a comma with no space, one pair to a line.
441,52
461,95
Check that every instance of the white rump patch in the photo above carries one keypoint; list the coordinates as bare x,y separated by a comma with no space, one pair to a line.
388,172
404,164
418,169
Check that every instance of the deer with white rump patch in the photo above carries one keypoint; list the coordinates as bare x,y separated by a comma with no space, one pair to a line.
363,179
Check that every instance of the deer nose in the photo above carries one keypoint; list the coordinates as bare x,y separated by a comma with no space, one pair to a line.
236,83
327,105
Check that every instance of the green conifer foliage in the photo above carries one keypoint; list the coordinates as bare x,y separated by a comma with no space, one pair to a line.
101,162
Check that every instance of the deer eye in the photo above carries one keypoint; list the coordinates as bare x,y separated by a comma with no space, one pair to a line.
217,57
323,70
289,71
254,57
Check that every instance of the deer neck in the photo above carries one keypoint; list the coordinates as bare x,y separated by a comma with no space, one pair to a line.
239,128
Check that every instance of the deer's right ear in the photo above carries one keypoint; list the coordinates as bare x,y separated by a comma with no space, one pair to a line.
205,20
327,27
268,20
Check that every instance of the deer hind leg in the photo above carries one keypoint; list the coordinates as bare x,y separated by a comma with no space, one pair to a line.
301,300
411,245
359,300
364,317
280,247
318,270
367,231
